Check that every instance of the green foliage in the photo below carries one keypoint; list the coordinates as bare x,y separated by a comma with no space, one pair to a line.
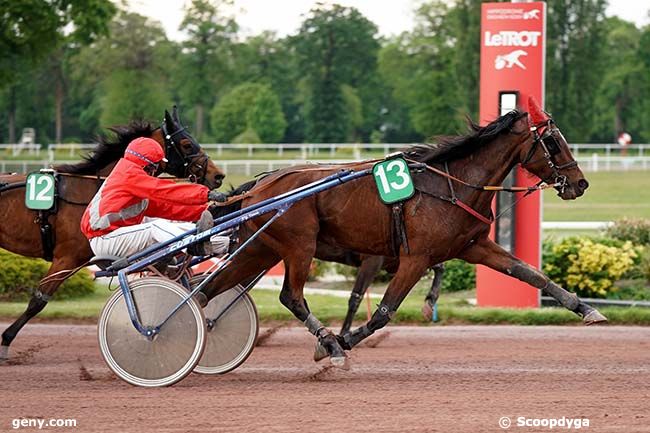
616,99
644,266
588,266
248,106
635,230
131,94
33,28
336,45
249,136
576,37
459,275
420,68
265,116
326,116
205,60
335,79
19,276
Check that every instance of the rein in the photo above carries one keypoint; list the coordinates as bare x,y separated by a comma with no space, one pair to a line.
550,147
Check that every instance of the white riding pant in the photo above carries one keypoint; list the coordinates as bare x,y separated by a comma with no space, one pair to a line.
126,241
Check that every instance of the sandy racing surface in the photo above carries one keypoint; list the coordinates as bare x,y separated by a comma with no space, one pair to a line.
443,379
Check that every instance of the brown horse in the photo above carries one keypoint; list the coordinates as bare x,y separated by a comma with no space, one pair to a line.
441,223
20,231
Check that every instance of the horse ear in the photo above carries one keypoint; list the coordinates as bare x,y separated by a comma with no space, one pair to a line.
537,115
175,115
168,120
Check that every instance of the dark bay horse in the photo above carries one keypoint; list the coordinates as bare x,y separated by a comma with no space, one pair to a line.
352,217
78,183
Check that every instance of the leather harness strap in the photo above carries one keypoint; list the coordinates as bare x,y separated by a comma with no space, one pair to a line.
47,234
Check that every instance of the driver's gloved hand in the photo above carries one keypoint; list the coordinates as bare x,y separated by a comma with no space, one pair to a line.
217,196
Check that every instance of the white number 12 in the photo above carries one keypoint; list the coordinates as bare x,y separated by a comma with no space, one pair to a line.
43,193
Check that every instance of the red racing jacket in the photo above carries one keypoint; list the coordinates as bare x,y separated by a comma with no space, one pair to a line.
129,194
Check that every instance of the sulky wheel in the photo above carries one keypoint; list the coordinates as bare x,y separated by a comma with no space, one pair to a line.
232,338
169,356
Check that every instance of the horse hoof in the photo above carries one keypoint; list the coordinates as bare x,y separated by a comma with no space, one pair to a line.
320,352
342,362
4,353
427,311
594,318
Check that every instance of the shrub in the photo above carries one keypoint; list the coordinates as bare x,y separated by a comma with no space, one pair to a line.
635,230
645,265
249,136
589,266
19,276
459,275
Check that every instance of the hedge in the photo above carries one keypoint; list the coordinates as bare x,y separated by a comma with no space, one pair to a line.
19,276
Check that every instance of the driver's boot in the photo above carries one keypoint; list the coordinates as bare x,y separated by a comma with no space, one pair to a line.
204,248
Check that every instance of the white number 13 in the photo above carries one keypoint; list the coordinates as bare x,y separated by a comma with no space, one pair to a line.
401,173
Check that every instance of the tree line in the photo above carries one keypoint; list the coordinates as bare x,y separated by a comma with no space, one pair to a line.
71,68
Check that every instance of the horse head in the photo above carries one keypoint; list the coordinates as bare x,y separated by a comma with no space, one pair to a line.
546,154
185,156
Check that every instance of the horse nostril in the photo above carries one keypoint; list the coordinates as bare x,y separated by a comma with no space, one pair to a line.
583,184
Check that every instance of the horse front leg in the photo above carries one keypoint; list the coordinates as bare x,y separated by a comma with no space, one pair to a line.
434,293
368,270
411,269
490,254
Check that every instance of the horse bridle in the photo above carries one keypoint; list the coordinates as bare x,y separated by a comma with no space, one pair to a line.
197,160
551,147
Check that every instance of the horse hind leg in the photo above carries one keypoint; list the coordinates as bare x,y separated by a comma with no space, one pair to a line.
411,269
431,298
291,296
368,270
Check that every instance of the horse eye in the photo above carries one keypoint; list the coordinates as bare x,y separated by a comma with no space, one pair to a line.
552,145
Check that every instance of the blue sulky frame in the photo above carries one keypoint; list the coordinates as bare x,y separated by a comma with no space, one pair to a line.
152,255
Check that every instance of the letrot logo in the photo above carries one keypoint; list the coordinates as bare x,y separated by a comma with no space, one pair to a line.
509,60
532,15
507,38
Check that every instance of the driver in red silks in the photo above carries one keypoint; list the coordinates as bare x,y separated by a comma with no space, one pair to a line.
133,209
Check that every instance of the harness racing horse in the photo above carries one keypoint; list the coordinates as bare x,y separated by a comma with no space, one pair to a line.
442,221
369,266
21,228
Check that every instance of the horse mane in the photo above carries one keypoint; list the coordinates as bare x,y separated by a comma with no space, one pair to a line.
109,148
447,148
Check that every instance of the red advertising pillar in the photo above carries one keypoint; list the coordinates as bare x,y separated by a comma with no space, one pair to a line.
513,39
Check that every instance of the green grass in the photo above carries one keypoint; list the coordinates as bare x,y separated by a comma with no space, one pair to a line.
331,310
87,307
611,195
